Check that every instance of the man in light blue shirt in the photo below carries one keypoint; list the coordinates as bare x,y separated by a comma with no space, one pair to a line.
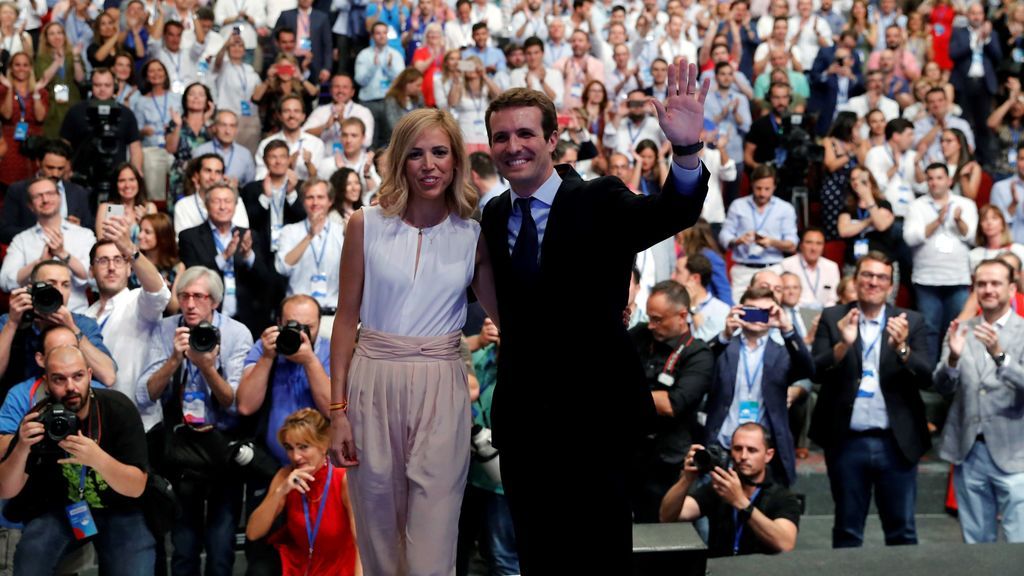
377,66
492,57
759,229
239,165
1007,194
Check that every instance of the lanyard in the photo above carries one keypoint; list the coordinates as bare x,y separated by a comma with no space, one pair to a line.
241,78
177,65
229,263
161,111
644,187
231,157
313,529
751,378
670,364
105,320
867,350
277,208
764,219
739,527
775,124
632,137
21,104
323,245
817,277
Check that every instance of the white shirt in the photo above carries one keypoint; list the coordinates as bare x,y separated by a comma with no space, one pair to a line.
28,245
224,9
980,254
304,142
628,135
714,207
458,34
898,190
190,212
942,258
535,26
182,67
806,37
819,283
714,313
126,321
492,15
235,84
673,49
332,133
552,78
320,259
860,106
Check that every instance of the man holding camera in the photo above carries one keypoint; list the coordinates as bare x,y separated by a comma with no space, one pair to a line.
678,369
85,452
747,513
195,364
127,317
53,237
753,374
79,131
44,303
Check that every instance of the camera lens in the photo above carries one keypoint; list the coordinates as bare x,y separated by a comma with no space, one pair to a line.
204,337
288,341
59,427
702,460
46,299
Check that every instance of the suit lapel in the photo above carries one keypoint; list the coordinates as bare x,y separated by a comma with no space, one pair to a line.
559,210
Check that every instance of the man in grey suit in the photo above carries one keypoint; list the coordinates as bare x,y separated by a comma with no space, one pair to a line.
984,434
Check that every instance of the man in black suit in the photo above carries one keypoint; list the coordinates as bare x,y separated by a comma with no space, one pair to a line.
872,362
273,203
218,245
55,165
312,36
568,410
976,53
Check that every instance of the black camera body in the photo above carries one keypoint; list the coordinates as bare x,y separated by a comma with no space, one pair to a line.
203,337
59,422
712,457
289,339
45,298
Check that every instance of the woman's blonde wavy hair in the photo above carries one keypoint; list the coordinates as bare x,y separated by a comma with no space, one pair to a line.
394,190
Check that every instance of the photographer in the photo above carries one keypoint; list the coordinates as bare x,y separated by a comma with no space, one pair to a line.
99,143
763,142
194,367
83,440
286,371
753,374
747,513
42,304
126,317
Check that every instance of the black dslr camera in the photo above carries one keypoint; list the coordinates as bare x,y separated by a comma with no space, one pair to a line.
289,339
203,337
45,298
59,423
711,457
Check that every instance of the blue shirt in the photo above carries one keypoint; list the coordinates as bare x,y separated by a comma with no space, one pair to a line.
749,375
238,160
87,325
869,406
289,390
713,106
490,56
777,221
155,112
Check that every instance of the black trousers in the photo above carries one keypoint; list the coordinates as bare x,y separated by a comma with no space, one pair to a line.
976,103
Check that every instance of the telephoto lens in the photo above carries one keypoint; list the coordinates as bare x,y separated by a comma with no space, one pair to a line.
45,298
710,458
203,337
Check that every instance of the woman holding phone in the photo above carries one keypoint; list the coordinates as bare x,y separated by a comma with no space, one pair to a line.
283,78
129,200
471,92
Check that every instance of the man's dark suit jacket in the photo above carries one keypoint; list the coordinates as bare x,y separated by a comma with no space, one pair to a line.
18,216
570,401
259,223
782,367
901,383
960,54
825,88
319,35
196,248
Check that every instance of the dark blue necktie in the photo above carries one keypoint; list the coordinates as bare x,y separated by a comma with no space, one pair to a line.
524,253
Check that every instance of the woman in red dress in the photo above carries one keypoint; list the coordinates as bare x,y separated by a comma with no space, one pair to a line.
428,59
318,537
22,111
941,18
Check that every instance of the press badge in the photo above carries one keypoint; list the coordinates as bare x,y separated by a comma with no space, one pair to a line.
748,411
306,44
666,379
229,284
318,287
178,87
275,238
576,90
246,108
193,407
337,148
860,248
868,384
21,131
81,520
61,94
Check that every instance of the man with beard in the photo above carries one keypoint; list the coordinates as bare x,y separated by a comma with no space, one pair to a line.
578,69
763,143
635,125
305,149
746,512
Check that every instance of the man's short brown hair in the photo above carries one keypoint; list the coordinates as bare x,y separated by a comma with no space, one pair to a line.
525,98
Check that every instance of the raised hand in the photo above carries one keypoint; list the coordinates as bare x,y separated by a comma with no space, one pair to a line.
956,339
681,116
849,326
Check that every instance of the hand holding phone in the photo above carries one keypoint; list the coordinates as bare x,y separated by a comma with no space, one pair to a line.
115,210
753,314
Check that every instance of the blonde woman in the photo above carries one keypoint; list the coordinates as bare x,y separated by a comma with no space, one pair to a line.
470,94
400,407
58,66
13,39
21,100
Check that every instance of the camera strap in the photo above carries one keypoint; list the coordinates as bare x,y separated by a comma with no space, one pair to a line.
739,525
673,359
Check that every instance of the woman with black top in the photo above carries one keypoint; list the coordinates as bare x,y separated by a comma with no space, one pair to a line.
865,220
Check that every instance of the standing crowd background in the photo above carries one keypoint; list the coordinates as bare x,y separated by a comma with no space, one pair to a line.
163,165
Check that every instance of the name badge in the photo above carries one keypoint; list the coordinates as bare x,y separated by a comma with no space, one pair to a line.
749,411
203,66
338,149
178,87
61,94
576,90
755,250
21,131
868,384
246,108
945,243
306,44
1011,156
860,248
229,284
318,287
193,407
275,237
82,523
666,379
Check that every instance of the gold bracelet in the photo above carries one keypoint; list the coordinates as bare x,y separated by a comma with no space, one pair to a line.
343,406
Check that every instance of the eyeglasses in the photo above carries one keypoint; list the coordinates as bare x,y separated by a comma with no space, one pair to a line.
186,296
117,261
865,275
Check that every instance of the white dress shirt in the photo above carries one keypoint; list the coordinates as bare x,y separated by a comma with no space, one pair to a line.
190,212
942,258
305,141
318,262
28,245
332,132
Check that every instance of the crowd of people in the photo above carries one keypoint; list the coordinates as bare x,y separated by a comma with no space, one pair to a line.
195,178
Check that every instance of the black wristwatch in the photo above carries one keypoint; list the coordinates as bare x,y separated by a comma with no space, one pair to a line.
687,150
999,359
747,512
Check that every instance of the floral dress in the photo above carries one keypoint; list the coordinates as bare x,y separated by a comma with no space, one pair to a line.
187,142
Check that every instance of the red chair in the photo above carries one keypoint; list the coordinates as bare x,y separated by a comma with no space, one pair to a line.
835,250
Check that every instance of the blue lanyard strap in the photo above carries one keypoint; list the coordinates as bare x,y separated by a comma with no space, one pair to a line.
867,350
817,277
323,245
231,157
81,483
751,378
161,111
229,263
739,527
764,219
313,529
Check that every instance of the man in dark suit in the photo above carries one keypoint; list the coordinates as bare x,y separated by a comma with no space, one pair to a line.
312,36
568,409
218,245
753,374
975,53
273,203
872,361
55,165
835,78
